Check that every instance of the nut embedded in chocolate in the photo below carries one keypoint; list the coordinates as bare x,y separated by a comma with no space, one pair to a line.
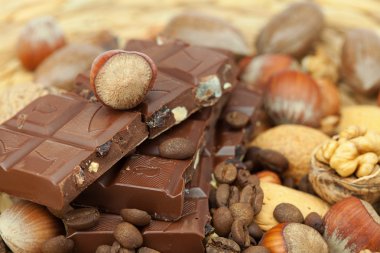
82,218
236,119
177,148
121,79
58,244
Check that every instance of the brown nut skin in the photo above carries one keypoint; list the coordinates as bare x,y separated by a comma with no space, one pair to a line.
352,225
137,88
361,61
286,212
128,235
293,31
293,97
38,39
136,217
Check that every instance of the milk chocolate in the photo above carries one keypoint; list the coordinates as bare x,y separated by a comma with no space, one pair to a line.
147,181
58,145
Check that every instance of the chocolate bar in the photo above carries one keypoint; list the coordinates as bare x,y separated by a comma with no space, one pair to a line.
230,142
189,78
58,145
147,181
185,235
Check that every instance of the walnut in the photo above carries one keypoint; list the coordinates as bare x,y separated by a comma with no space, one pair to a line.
354,150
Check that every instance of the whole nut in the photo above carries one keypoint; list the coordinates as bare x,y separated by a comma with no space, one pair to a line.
293,31
58,244
177,148
128,235
135,216
225,173
82,218
242,211
289,91
360,61
272,160
222,245
242,177
315,221
222,221
38,39
222,195
286,212
239,233
110,67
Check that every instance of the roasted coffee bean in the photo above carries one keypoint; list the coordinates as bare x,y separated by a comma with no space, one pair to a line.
128,235
177,148
147,250
58,244
272,160
286,212
222,245
239,233
115,247
256,249
136,217
225,173
259,198
254,180
248,194
242,211
255,231
242,177
82,219
103,249
222,221
222,195
315,221
234,195
236,119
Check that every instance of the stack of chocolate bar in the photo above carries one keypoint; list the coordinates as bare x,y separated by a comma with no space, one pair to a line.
70,150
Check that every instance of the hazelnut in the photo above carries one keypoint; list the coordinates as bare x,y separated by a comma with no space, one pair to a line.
38,39
268,176
293,97
121,79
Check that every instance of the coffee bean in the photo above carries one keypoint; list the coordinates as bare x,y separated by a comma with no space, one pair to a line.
225,173
236,119
136,217
222,221
242,211
315,221
254,180
286,212
248,194
255,231
147,250
82,219
272,160
177,148
58,244
234,195
222,195
115,247
239,233
259,198
128,235
222,245
256,249
103,249
242,177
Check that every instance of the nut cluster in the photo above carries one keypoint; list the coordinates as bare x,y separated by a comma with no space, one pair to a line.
354,150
